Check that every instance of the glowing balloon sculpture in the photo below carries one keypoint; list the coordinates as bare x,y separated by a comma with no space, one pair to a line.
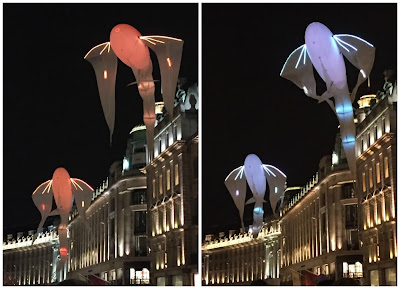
63,188
105,63
257,176
132,49
325,52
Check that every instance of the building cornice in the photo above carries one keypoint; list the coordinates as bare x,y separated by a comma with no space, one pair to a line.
376,146
314,190
268,232
176,146
43,239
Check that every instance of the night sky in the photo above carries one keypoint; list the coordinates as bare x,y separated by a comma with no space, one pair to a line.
52,115
248,108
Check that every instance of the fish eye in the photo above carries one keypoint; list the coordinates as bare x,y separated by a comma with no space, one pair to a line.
117,29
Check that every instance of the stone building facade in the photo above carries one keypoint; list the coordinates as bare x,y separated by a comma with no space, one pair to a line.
240,259
172,181
27,264
113,248
376,147
320,224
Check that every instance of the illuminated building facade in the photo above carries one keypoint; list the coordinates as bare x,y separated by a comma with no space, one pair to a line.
376,179
172,181
114,247
239,259
27,264
319,224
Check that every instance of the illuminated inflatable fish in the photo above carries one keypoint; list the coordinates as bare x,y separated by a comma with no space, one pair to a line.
257,175
325,52
63,188
131,48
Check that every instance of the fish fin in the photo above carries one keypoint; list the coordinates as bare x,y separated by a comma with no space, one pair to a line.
298,69
169,54
251,200
135,82
55,212
358,52
45,187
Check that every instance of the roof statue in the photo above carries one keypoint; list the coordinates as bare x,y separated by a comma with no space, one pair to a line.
133,49
257,175
63,188
325,52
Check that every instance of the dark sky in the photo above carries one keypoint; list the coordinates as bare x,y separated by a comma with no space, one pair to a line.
51,107
248,108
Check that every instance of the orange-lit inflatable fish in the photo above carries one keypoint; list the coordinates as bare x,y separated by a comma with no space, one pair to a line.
132,48
63,188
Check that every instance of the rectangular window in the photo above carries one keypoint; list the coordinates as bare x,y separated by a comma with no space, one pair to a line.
386,166
112,205
160,219
178,251
345,269
387,205
371,181
391,244
390,276
371,213
138,197
177,280
374,276
378,172
323,232
379,210
175,132
160,185
140,222
160,281
139,150
112,238
169,209
176,171
376,133
368,139
322,198
154,188
348,191
363,182
154,223
351,216
352,239
365,214
140,248
168,179
325,269
176,212
352,270
383,126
